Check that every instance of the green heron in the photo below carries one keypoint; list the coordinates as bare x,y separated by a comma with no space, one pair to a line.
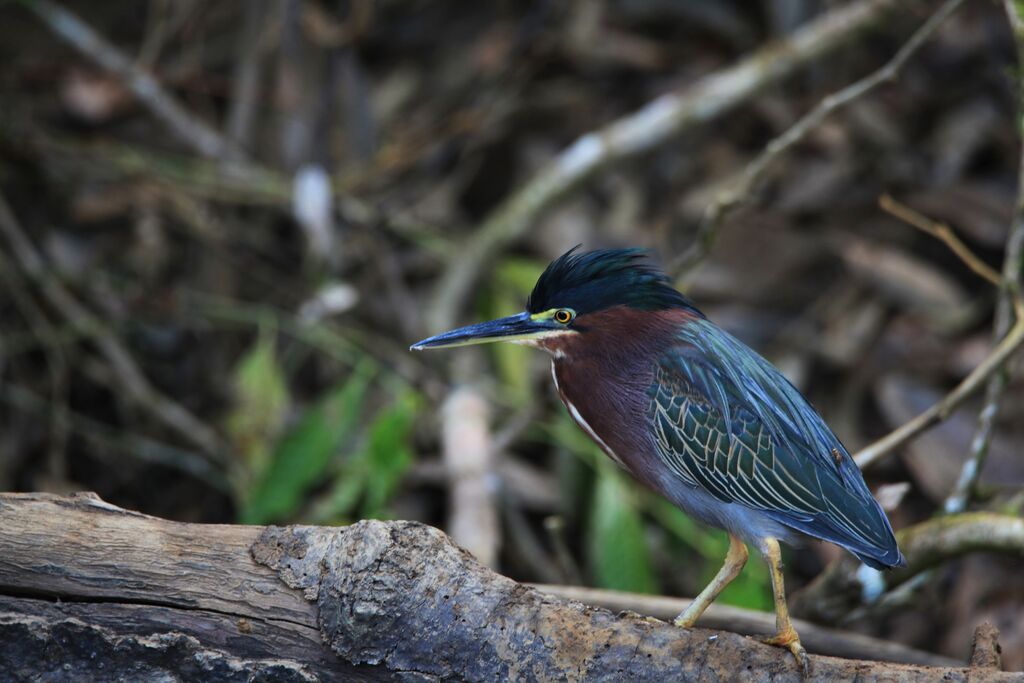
695,414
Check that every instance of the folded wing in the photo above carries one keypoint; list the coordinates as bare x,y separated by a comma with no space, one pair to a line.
726,421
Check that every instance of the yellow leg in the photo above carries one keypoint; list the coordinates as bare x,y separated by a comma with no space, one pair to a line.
785,636
734,561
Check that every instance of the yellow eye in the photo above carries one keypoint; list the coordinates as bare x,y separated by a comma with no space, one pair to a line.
563,316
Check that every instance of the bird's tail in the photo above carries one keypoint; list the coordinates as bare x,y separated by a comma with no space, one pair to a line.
858,524
889,560
873,541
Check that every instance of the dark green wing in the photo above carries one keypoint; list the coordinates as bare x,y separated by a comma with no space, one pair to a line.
726,421
733,461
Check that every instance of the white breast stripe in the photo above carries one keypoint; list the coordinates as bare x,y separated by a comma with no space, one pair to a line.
583,423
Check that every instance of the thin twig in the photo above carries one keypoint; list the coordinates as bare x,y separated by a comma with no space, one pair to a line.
944,408
1009,296
132,380
56,362
1008,283
640,132
838,590
739,192
110,441
944,233
190,130
246,83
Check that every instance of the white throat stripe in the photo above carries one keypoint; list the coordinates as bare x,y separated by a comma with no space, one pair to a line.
581,422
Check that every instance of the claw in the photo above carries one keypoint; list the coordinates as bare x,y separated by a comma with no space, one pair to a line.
789,639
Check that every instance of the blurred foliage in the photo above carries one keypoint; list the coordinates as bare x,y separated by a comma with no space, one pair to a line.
367,480
305,451
260,410
617,547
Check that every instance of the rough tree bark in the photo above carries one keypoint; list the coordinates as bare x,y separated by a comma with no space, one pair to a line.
89,591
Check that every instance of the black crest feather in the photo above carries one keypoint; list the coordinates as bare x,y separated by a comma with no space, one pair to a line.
595,280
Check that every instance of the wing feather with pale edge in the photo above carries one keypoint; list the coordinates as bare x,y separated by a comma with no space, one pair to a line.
726,421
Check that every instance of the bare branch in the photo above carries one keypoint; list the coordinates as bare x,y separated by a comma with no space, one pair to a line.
945,234
468,452
739,191
944,408
838,590
1009,297
991,372
640,132
190,130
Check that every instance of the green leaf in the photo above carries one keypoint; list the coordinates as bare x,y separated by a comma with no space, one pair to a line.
618,551
388,453
261,404
304,453
341,500
373,473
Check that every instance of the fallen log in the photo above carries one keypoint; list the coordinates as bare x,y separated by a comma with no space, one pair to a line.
89,591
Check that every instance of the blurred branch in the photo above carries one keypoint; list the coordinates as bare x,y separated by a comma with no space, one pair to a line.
106,439
642,131
190,130
989,370
838,590
56,361
246,83
166,411
749,622
944,408
985,649
468,458
1009,296
739,191
246,183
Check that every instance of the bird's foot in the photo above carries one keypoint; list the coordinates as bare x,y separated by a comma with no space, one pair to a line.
789,639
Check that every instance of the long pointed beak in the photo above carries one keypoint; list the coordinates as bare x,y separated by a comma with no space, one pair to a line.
512,328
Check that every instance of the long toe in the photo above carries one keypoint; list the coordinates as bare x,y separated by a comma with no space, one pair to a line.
791,641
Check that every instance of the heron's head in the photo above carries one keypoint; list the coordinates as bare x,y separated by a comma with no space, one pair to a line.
577,294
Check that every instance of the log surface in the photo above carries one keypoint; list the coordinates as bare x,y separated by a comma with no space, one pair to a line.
89,591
